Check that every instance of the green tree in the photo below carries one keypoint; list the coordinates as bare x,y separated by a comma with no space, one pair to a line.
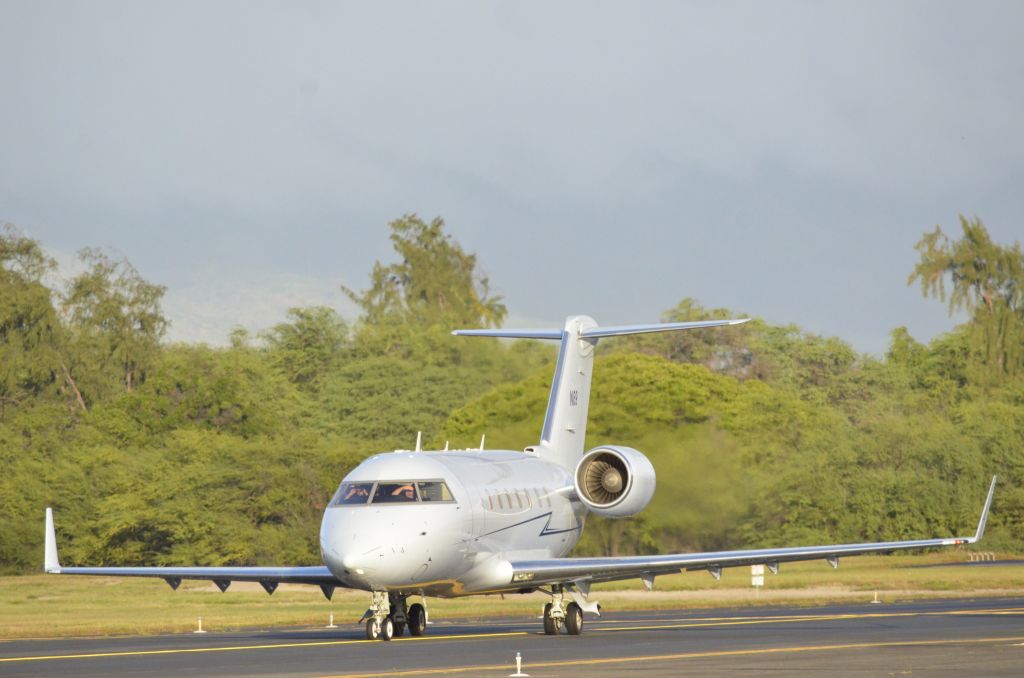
30,331
436,282
308,346
987,282
115,322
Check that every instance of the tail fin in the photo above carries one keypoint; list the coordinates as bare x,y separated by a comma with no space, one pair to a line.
565,422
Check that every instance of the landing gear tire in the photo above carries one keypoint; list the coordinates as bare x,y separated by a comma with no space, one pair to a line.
399,628
551,625
417,620
573,619
372,629
387,629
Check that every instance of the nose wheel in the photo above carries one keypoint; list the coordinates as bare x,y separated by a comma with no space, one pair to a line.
389,616
377,629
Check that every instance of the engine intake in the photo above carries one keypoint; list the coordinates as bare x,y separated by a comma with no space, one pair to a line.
615,481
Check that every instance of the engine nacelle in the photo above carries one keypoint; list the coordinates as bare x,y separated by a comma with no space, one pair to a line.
615,481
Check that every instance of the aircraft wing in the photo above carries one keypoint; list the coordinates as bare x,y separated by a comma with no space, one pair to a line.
268,577
570,570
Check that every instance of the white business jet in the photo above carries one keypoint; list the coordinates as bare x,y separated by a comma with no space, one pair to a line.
452,523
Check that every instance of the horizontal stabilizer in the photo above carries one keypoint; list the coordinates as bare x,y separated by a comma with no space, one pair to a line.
598,332
511,334
621,330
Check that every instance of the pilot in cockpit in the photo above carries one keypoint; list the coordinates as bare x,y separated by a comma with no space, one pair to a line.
404,493
355,493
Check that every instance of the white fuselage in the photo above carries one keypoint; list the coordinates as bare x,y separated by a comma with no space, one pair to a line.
506,505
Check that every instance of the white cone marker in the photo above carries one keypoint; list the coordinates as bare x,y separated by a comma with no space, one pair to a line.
519,668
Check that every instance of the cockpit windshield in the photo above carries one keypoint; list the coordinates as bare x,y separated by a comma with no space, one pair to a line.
353,493
392,492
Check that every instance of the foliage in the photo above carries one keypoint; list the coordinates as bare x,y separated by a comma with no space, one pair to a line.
30,331
309,346
987,282
436,282
761,434
115,325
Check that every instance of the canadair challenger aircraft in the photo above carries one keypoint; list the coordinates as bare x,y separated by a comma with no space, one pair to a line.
452,523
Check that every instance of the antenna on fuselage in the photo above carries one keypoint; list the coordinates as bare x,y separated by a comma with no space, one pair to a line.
419,441
445,446
482,438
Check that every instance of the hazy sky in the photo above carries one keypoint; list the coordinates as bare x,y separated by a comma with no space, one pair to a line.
780,159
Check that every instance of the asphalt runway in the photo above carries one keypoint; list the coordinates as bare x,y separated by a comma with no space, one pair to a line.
951,637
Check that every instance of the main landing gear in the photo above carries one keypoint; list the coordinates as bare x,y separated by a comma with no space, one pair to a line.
557,614
389,616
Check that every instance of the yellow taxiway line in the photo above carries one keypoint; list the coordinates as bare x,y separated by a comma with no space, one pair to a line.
686,655
234,648
696,623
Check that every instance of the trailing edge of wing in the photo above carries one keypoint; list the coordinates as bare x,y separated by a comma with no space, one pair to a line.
319,574
621,330
557,570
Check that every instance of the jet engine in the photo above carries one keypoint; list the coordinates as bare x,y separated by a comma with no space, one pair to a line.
615,481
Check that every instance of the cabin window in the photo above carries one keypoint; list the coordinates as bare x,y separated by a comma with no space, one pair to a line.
352,493
395,493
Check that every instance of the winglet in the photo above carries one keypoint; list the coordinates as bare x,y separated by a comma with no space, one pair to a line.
51,563
984,512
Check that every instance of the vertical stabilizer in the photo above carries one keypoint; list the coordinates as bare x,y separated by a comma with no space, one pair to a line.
565,423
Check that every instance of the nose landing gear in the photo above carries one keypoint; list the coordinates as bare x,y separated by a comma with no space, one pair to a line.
389,615
380,629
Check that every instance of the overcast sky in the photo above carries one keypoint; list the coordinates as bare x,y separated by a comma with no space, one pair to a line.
779,159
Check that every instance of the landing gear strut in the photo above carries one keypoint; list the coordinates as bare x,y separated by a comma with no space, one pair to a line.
558,614
389,616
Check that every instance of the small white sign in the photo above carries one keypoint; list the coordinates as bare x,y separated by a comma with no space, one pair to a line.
757,575
757,570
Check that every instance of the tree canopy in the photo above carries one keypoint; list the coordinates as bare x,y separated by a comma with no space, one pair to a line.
761,434
987,281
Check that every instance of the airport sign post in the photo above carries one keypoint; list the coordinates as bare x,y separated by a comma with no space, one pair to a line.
757,577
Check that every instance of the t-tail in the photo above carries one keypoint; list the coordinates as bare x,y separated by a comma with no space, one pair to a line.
565,422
